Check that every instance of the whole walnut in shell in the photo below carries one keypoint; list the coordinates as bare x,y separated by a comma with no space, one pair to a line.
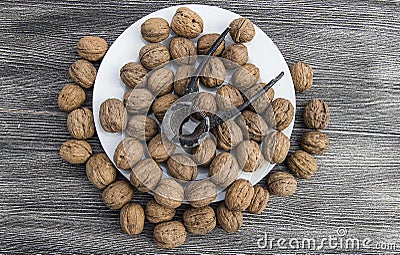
236,55
199,220
213,73
162,104
187,23
182,50
302,164
80,124
275,147
206,41
169,234
169,193
246,76
138,101
75,151
113,115
280,114
161,81
259,200
133,74
156,213
182,167
316,114
205,152
200,193
230,221
264,101
224,169
242,30
92,48
228,97
117,194
160,148
228,135
282,184
249,156
315,142
205,102
146,175
253,125
182,78
142,127
100,170
154,55
155,30
83,73
239,195
302,76
71,97
132,219
128,153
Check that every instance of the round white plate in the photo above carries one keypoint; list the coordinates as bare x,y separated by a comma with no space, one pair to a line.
262,52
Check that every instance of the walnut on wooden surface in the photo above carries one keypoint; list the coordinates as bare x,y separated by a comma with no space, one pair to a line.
182,167
169,234
156,213
315,142
187,23
249,156
228,97
246,76
182,50
302,164
71,97
161,81
205,152
75,151
83,73
92,48
214,73
154,55
138,101
80,123
224,169
160,148
282,184
100,170
169,193
264,101
316,114
230,221
200,193
280,114
155,30
242,30
142,127
238,196
132,219
253,125
128,153
117,194
206,41
162,104
259,201
145,175
113,115
236,55
275,147
182,78
132,74
302,76
199,220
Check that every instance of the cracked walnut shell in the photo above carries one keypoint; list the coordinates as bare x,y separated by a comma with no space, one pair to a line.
100,170
275,147
230,221
302,164
83,73
75,151
242,30
156,213
154,55
315,142
259,201
280,114
80,124
92,48
316,114
302,76
182,50
169,234
199,220
238,196
187,23
145,175
132,219
113,115
282,184
155,30
117,194
128,153
71,97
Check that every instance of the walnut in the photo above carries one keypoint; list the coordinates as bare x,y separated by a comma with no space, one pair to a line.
83,73
155,30
169,234
117,194
302,75
315,142
182,50
162,104
138,101
128,153
253,125
80,124
71,97
235,55
133,74
249,156
142,127
92,48
213,73
230,221
242,30
182,78
182,167
282,184
275,147
228,97
316,114
187,23
199,220
259,200
132,219
154,55
302,164
280,114
200,193
205,102
239,195
264,101
146,175
205,152
206,41
161,81
228,135
169,193
100,170
246,76
113,115
156,213
75,151
224,169
160,148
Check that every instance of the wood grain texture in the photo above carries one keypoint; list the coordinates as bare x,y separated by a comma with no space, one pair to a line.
47,206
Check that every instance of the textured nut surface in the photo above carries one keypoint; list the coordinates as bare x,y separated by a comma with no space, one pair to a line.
242,30
100,170
92,48
169,193
264,101
228,97
80,124
156,213
154,55
239,195
214,73
249,156
302,164
182,79
224,169
206,41
160,148
246,76
71,97
132,219
75,151
162,104
169,234
83,73
205,102
275,147
182,167
133,74
230,221
161,81
128,153
315,142
113,115
228,135
316,114
182,50
199,220
155,30
253,125
117,194
138,101
200,193
282,184
187,23
302,76
280,114
259,201
236,54
142,127
146,175
205,152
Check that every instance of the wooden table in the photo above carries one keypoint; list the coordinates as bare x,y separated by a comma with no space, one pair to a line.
48,206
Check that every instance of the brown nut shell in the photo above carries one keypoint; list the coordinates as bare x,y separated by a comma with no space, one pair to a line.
239,195
142,127
160,148
280,114
224,169
187,23
252,125
230,221
162,104
315,142
71,97
182,79
206,41
132,219
275,147
92,48
75,151
246,76
228,135
302,76
138,101
205,102
83,73
154,55
169,193
145,175
200,193
236,55
155,30
133,74
316,114
264,101
156,213
249,156
205,152
100,170
169,234
117,194
213,73
282,184
113,115
80,124
302,164
128,153
182,50
161,81
259,201
182,167
199,220
242,30
228,97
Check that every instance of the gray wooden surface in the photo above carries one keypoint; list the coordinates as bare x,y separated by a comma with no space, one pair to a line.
47,206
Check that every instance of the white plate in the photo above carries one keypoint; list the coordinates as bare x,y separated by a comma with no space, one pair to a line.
262,52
